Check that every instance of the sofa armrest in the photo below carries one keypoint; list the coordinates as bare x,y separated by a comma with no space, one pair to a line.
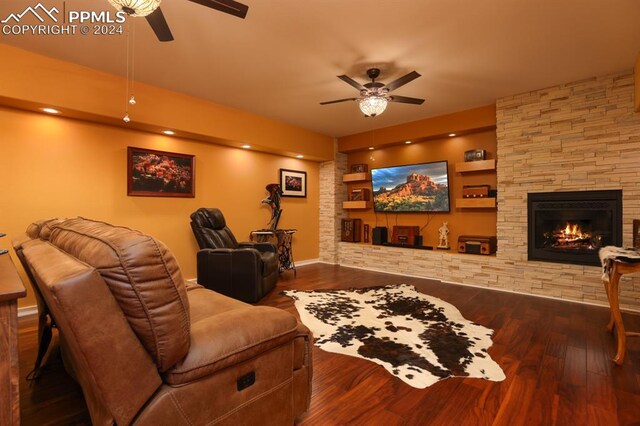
261,247
230,338
233,272
302,370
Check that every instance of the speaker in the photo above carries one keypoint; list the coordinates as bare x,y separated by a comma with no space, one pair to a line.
379,235
405,235
351,230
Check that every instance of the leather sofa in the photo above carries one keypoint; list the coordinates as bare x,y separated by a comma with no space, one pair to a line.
149,348
246,271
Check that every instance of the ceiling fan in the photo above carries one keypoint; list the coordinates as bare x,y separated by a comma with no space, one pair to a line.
374,96
150,9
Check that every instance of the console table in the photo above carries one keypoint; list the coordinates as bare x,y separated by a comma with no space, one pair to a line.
611,285
284,245
11,289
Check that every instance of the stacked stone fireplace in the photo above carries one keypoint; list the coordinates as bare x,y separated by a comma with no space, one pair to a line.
573,137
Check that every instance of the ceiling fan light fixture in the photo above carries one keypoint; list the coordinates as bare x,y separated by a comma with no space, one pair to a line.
373,105
136,7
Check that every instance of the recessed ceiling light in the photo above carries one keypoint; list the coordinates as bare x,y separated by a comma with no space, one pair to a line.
299,156
407,142
246,146
371,148
51,110
451,135
168,132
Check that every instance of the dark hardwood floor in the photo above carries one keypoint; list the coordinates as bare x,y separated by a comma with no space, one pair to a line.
556,356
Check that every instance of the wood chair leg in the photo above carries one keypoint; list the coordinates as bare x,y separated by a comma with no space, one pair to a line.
607,289
616,315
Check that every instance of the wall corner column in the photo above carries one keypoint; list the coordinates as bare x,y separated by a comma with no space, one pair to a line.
332,193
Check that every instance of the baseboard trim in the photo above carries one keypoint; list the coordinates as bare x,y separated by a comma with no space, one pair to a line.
331,263
503,290
307,262
26,311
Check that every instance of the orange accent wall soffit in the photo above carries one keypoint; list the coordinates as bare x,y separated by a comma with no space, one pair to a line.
84,93
475,120
637,84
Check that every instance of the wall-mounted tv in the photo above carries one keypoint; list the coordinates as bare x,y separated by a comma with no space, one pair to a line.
420,187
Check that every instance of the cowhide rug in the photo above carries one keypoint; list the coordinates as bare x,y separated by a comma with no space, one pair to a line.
417,338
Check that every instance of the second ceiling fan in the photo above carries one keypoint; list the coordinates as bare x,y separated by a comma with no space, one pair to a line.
150,9
374,96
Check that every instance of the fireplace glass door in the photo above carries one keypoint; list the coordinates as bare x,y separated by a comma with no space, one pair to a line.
570,227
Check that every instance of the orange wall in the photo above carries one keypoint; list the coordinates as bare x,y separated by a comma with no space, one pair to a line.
462,122
30,81
57,167
461,221
637,81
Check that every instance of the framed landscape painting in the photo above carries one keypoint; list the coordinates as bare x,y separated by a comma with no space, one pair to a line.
293,183
636,233
153,173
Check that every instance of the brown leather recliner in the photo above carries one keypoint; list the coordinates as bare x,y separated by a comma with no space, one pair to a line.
148,348
246,271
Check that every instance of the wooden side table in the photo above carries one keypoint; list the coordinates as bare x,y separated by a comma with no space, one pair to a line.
11,289
284,245
611,285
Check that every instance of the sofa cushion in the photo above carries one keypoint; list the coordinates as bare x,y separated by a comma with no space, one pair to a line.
42,228
222,340
142,275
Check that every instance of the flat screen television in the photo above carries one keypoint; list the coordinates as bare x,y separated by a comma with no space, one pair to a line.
420,187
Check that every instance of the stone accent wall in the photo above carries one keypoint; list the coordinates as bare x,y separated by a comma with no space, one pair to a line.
578,136
332,193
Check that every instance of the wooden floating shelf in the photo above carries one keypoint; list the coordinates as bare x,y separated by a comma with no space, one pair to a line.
355,177
475,166
356,204
476,203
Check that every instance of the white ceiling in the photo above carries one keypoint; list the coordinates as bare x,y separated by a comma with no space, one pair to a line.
283,59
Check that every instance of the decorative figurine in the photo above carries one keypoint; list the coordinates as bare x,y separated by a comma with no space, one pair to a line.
273,201
443,241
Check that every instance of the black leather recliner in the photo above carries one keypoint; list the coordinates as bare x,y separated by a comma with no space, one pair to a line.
246,271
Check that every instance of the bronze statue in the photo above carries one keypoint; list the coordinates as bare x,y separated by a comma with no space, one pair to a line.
273,201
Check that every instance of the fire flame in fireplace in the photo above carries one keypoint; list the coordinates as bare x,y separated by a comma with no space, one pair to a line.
572,237
572,232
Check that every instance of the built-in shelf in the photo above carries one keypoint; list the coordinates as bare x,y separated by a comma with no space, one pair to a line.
356,204
355,177
476,203
475,166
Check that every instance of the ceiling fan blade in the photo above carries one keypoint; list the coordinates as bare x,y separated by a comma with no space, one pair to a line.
406,100
338,100
227,6
402,81
159,25
352,82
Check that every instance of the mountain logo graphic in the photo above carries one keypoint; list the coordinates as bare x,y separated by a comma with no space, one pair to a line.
34,11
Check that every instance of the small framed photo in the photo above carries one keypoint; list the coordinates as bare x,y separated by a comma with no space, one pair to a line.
152,173
359,168
636,233
293,183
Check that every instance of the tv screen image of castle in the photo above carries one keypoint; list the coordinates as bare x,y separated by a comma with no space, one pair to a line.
413,188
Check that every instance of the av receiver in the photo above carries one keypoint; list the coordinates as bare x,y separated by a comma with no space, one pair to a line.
475,191
477,245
